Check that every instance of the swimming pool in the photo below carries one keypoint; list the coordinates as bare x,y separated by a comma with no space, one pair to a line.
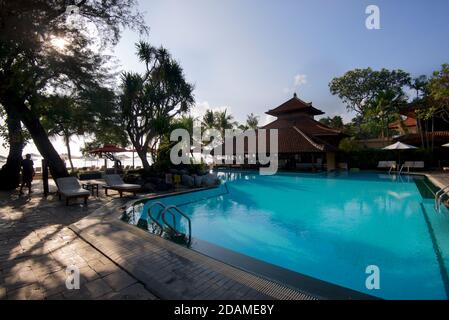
326,226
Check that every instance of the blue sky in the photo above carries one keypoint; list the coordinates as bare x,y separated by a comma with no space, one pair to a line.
245,54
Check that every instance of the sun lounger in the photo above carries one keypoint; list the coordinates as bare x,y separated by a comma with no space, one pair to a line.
115,182
387,165
413,165
70,188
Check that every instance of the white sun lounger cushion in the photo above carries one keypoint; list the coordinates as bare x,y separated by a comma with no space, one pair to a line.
116,182
70,187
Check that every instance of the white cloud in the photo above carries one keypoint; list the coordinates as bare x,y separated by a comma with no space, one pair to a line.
299,80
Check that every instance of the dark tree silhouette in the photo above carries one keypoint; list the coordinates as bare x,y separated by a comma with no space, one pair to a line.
34,64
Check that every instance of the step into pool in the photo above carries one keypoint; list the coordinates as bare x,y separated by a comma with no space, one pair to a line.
329,227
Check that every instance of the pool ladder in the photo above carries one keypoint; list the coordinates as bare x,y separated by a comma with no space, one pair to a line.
439,197
162,215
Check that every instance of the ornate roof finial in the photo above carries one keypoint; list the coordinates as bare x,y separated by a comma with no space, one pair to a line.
295,95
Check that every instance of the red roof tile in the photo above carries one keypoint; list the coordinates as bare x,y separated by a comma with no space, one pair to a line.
439,137
408,122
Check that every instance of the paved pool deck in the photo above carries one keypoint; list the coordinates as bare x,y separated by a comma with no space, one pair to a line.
37,245
41,237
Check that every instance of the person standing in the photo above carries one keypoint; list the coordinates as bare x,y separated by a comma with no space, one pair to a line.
27,173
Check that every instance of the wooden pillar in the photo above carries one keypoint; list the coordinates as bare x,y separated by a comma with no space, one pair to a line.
330,160
45,177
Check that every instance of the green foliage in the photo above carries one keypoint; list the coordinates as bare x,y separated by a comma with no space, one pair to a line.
223,121
252,121
335,122
359,88
439,93
349,145
374,95
148,102
33,68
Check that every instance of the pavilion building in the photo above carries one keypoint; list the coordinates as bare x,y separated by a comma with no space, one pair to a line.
303,142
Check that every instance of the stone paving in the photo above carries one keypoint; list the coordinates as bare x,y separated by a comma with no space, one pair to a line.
36,247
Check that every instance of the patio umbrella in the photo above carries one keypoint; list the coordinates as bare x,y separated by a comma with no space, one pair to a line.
398,146
445,145
107,150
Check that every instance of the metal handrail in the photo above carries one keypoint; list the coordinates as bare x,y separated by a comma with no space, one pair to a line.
391,168
167,209
438,195
440,199
158,216
402,168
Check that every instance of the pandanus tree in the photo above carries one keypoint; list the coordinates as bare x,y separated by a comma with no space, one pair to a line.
41,54
149,101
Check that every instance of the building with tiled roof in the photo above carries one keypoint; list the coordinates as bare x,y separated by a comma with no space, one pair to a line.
406,126
429,133
303,142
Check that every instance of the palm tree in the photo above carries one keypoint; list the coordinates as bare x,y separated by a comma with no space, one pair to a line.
223,121
208,120
386,109
252,121
420,85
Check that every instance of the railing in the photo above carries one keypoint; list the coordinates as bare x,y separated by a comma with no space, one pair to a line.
162,216
439,196
156,220
173,228
402,168
391,168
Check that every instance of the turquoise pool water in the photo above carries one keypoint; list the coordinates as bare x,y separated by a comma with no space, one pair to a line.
329,227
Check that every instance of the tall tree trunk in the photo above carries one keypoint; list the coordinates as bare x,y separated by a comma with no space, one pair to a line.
42,142
426,133
418,122
10,172
433,126
143,158
69,152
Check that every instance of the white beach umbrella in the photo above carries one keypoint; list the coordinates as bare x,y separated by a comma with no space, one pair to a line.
445,145
398,146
